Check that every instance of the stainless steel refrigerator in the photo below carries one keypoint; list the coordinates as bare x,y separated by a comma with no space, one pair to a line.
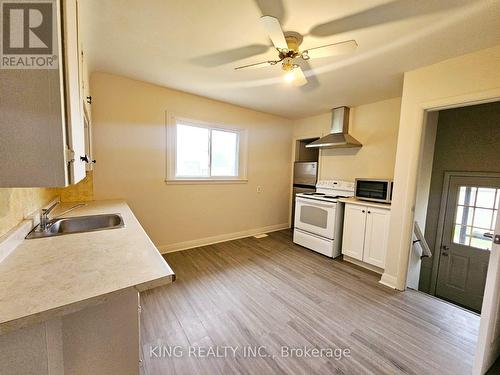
305,175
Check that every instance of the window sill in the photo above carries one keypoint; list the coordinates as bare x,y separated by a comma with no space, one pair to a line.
206,181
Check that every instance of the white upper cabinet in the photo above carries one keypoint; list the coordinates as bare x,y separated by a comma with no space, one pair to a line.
73,90
366,232
42,119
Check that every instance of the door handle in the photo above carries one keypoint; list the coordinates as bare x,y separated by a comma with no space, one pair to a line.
444,251
497,239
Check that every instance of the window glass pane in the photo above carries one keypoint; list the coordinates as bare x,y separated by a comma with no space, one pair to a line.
481,243
485,197
192,151
224,153
475,216
482,218
467,195
461,234
464,215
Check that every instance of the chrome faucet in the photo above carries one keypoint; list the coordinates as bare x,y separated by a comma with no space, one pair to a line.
44,215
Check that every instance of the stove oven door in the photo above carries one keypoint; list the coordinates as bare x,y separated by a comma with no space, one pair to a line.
314,216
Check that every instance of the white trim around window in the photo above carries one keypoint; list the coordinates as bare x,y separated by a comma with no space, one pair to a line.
172,176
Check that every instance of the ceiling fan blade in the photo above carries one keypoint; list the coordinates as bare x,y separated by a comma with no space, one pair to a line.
230,55
273,27
258,65
384,13
312,79
299,77
273,8
331,49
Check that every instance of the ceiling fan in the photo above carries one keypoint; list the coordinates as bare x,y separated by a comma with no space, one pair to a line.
287,45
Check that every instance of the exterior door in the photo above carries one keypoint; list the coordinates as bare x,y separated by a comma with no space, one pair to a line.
376,235
469,222
354,231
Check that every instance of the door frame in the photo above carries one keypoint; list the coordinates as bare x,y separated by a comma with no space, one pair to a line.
442,213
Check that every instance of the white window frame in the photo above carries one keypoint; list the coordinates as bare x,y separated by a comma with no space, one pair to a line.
171,152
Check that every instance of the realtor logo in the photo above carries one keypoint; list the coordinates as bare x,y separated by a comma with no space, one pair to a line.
28,35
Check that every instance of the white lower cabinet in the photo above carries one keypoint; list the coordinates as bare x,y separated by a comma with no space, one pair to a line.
354,231
366,230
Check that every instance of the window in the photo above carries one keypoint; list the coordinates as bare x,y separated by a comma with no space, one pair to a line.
200,152
475,216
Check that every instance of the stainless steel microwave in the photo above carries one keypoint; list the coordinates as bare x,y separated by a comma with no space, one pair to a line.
373,190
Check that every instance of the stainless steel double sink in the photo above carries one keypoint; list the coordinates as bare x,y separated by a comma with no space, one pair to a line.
78,224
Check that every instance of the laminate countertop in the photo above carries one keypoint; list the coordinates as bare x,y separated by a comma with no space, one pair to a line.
360,202
50,277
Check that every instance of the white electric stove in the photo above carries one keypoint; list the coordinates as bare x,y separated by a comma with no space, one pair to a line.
319,216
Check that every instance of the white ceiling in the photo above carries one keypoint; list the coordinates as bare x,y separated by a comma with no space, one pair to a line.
164,42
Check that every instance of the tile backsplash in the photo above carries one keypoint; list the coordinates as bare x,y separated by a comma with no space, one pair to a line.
17,203
82,191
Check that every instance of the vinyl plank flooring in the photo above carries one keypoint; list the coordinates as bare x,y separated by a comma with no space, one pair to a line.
273,294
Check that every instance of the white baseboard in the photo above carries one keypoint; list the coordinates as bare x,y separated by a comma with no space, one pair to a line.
220,238
388,280
359,263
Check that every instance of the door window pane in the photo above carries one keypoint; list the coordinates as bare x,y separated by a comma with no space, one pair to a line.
224,153
485,197
467,195
461,234
192,151
464,215
482,218
475,216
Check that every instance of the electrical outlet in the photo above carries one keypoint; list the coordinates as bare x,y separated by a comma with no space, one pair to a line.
260,189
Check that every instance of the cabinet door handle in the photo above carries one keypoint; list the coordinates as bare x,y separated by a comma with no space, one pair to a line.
85,158
369,212
363,211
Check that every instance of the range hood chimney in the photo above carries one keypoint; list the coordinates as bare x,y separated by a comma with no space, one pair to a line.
339,136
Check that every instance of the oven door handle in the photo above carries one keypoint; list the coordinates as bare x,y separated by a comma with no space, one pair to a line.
311,202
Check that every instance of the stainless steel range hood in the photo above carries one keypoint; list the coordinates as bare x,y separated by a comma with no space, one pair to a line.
339,136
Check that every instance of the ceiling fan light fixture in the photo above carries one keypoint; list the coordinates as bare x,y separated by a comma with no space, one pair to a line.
305,55
288,64
289,77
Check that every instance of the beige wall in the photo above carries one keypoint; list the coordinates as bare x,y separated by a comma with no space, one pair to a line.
466,79
129,143
375,125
